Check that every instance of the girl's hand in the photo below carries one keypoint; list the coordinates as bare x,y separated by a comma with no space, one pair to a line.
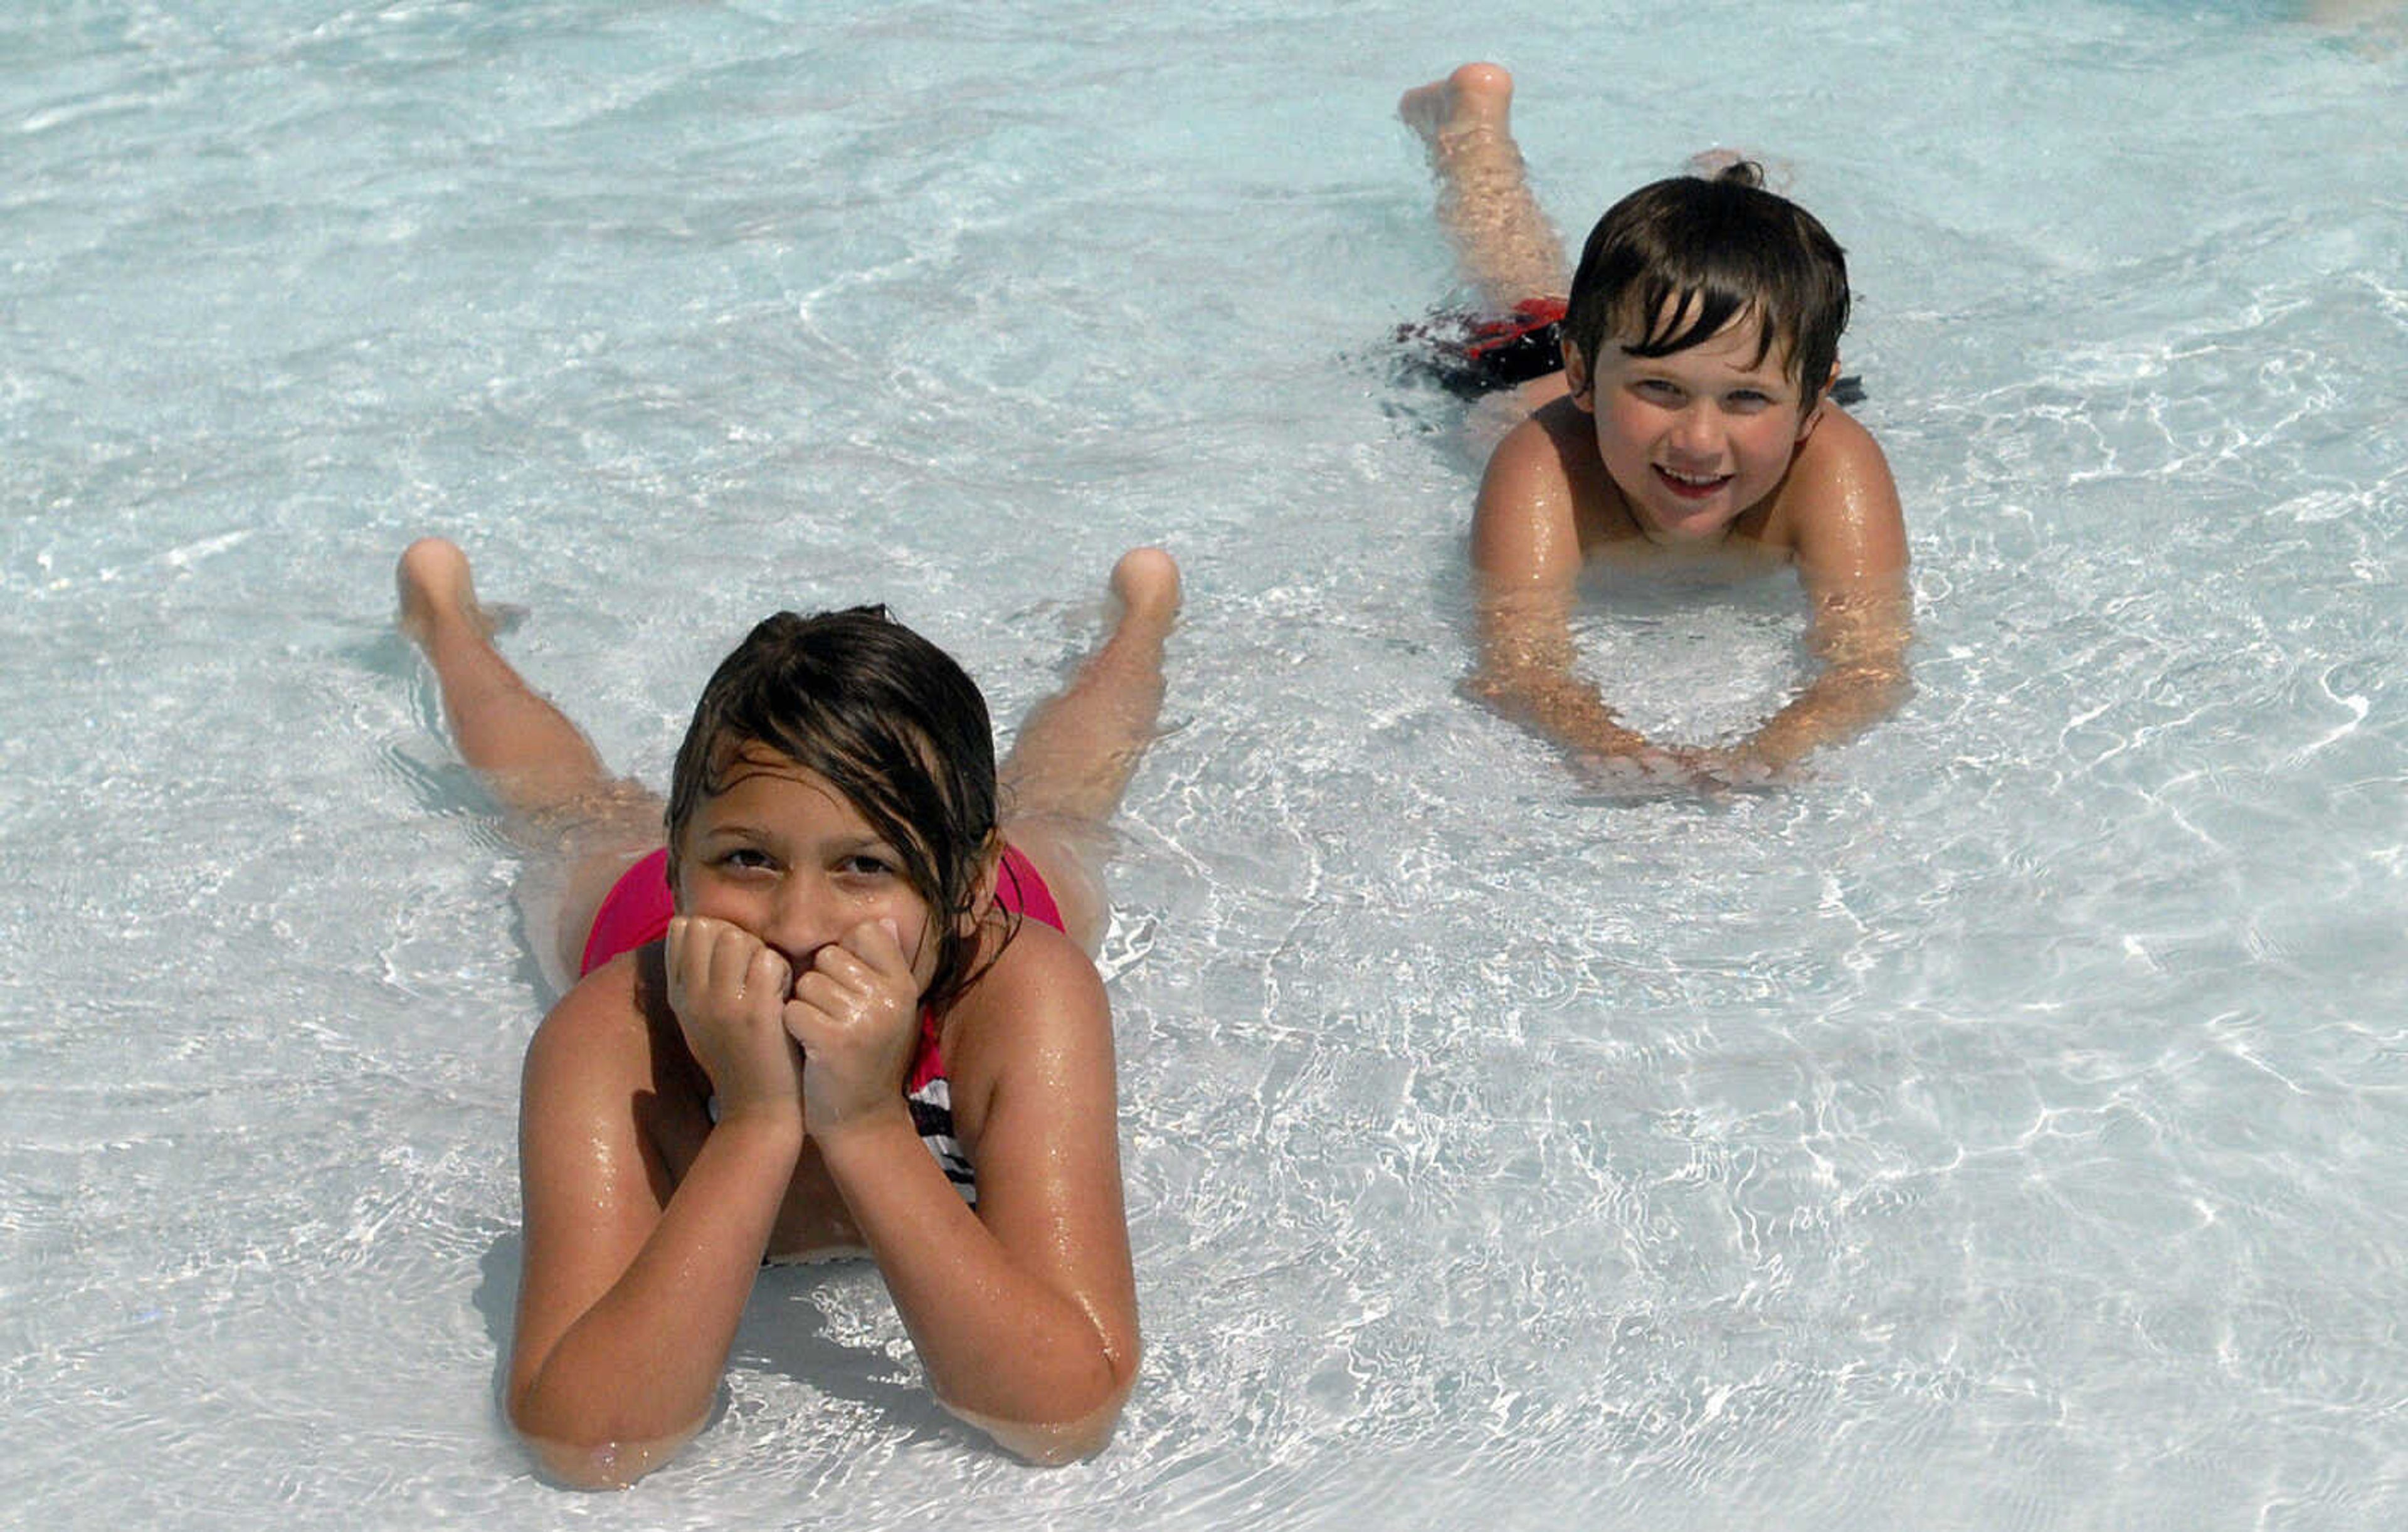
729,992
856,1015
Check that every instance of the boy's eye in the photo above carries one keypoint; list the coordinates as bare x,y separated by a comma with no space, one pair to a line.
1748,398
1656,387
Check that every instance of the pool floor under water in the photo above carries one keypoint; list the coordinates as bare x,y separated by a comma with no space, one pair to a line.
1997,1128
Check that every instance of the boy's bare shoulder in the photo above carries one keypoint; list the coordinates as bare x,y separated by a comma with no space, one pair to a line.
1554,444
1839,479
1840,448
1544,486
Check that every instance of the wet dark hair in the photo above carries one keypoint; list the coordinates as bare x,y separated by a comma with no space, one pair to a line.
889,720
1674,262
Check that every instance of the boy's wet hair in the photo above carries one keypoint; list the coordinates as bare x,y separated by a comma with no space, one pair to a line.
1674,262
889,720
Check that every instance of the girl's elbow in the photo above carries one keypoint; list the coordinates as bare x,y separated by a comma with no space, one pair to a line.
573,1467
1056,1446
1086,1428
584,1459
1052,1444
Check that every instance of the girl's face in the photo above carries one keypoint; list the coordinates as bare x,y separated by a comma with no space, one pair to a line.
783,854
1697,438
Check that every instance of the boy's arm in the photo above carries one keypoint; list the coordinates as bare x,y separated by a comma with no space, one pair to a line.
1525,557
1851,552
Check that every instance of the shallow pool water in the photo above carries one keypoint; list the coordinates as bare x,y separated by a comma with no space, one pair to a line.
2001,1130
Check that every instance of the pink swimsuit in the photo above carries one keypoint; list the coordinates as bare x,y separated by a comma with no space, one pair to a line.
636,911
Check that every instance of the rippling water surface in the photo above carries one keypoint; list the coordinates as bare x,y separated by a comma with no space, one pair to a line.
2001,1130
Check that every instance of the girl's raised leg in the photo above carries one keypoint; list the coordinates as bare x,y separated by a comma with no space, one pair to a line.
1063,780
557,799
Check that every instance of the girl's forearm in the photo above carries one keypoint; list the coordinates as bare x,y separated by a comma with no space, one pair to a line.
636,1374
1014,1355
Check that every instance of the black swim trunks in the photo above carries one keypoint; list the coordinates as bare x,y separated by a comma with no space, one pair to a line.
1470,356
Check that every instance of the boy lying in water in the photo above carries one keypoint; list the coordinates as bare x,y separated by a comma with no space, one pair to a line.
1688,423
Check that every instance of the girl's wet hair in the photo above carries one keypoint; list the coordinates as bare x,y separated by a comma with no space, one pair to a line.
1672,264
888,720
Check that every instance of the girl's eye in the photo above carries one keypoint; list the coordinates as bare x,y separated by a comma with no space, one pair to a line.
743,858
865,866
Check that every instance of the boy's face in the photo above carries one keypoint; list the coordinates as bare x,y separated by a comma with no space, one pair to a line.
1696,438
780,852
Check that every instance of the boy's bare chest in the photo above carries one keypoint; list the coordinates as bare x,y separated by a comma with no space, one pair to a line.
1615,545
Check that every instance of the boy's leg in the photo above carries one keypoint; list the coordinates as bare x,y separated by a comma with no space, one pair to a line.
1072,760
1501,237
557,799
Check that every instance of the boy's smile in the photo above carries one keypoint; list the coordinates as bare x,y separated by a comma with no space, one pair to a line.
1694,439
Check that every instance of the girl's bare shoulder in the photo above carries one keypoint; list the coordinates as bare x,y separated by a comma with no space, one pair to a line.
613,1028
1040,1005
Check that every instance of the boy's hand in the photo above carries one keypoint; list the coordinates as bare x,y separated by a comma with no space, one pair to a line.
1649,769
729,991
856,1015
1744,768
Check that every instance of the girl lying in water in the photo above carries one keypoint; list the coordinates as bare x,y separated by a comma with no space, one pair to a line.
848,1006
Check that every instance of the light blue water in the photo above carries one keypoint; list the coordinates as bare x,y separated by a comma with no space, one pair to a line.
2003,1130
